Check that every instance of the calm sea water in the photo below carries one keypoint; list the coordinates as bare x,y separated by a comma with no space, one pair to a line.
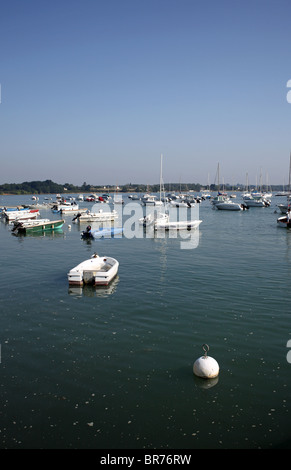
111,368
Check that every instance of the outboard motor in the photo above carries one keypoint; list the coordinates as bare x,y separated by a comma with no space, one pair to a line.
17,226
87,233
76,216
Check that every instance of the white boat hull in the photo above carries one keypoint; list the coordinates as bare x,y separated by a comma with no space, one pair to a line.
97,216
12,216
181,225
228,206
98,271
253,202
284,222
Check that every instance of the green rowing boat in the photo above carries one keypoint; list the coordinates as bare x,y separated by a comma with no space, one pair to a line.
38,226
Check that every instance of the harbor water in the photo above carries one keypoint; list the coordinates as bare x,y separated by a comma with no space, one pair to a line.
112,368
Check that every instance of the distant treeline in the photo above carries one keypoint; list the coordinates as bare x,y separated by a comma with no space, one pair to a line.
49,187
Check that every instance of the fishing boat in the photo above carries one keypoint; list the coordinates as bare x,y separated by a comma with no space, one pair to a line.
27,223
99,216
25,214
37,226
97,270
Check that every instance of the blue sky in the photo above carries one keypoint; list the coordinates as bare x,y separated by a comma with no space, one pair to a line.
94,91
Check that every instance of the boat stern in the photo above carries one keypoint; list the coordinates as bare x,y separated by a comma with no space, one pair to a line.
75,277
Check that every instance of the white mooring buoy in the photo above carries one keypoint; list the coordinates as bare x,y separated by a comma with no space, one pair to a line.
205,366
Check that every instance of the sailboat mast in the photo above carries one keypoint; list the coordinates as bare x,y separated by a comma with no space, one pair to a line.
288,196
161,169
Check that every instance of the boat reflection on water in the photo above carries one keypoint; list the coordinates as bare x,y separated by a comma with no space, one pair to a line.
88,290
49,234
205,384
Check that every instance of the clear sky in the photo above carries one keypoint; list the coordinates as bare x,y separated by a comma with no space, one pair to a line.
95,90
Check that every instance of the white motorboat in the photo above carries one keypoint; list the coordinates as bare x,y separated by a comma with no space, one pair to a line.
179,203
71,208
99,216
65,207
251,201
149,200
97,270
229,206
220,198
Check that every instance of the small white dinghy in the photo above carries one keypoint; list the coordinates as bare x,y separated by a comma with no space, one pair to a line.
97,270
161,224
